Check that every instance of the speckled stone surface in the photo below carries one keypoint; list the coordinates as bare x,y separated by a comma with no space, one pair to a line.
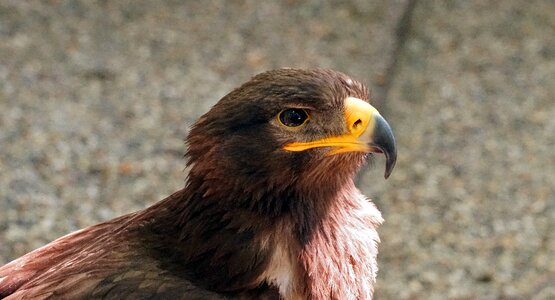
470,208
96,98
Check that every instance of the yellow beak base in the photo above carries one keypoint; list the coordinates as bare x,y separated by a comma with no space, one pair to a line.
367,132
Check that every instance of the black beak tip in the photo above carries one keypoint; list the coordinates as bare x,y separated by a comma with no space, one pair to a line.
391,159
385,142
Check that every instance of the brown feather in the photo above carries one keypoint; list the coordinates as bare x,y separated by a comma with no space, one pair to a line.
253,221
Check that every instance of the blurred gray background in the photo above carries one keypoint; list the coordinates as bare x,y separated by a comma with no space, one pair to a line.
96,98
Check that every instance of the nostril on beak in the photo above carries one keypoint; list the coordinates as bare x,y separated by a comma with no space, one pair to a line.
358,115
357,123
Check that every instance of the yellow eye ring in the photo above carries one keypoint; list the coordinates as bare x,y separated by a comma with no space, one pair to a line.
293,117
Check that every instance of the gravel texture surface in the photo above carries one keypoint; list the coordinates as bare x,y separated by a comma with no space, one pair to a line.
96,98
470,210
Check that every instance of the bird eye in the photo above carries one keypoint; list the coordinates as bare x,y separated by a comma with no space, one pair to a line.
293,117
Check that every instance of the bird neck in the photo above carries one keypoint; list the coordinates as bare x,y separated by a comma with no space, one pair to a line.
286,240
339,255
213,241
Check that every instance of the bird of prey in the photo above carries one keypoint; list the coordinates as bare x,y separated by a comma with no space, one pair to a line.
269,209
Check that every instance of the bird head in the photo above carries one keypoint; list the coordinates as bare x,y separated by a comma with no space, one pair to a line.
288,126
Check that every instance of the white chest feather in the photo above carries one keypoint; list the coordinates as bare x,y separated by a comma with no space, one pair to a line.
282,272
339,261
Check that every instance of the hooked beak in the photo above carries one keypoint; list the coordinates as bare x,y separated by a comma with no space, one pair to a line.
368,132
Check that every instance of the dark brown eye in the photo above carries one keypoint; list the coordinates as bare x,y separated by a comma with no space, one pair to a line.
293,117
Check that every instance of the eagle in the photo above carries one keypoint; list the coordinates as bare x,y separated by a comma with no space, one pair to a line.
269,209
